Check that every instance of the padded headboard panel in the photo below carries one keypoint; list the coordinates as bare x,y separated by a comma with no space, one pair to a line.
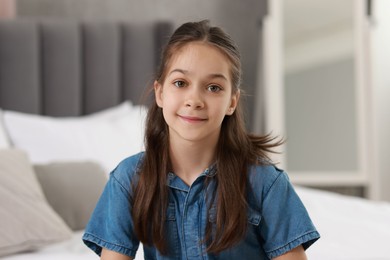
71,68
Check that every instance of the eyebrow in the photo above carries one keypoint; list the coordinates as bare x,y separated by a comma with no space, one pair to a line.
211,76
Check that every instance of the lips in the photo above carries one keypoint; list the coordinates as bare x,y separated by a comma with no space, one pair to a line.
192,119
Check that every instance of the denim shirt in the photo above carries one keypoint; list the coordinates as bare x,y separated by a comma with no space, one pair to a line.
277,219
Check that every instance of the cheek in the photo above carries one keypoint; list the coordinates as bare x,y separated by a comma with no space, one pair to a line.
167,105
168,115
220,110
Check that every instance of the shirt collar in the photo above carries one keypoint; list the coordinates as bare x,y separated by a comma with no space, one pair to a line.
175,182
210,171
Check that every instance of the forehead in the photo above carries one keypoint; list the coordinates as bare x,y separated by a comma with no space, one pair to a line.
200,57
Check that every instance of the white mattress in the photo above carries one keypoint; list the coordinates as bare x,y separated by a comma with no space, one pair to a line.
350,228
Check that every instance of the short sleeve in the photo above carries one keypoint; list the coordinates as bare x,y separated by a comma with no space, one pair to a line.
111,225
285,221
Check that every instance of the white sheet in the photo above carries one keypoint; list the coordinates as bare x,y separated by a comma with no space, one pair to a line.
72,249
350,228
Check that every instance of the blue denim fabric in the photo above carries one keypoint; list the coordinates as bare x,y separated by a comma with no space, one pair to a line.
277,219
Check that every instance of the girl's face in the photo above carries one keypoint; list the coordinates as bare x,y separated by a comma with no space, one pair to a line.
196,94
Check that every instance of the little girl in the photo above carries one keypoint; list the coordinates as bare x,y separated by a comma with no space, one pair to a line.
203,188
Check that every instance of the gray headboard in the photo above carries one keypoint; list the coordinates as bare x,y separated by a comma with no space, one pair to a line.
70,68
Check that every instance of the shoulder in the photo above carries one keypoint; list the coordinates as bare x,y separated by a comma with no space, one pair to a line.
126,171
263,177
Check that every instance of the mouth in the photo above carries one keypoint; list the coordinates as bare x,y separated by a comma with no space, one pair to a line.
192,119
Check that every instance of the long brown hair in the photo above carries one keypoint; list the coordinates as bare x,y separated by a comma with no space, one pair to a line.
235,150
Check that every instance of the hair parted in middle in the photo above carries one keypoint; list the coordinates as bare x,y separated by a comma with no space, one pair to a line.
235,150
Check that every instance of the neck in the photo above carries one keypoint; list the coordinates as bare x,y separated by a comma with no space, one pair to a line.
190,159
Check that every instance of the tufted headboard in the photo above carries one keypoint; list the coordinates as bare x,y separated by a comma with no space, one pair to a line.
70,68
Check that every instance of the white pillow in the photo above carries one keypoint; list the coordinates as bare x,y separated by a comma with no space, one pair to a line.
119,110
4,141
106,137
27,220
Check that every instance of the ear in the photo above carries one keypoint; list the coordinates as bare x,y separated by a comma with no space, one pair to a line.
158,92
233,103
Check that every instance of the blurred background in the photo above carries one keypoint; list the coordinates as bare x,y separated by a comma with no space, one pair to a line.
315,72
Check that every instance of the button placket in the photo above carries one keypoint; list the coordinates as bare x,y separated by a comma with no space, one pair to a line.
192,220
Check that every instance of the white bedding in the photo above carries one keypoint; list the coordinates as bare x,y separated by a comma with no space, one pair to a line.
350,228
70,249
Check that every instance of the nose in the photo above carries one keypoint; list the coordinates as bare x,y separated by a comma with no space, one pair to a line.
194,98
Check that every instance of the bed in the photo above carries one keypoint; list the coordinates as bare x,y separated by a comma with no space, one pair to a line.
70,110
345,234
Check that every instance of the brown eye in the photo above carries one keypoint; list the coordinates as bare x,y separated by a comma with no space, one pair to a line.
214,88
179,83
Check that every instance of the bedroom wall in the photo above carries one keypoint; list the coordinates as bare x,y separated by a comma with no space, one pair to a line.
241,19
380,32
